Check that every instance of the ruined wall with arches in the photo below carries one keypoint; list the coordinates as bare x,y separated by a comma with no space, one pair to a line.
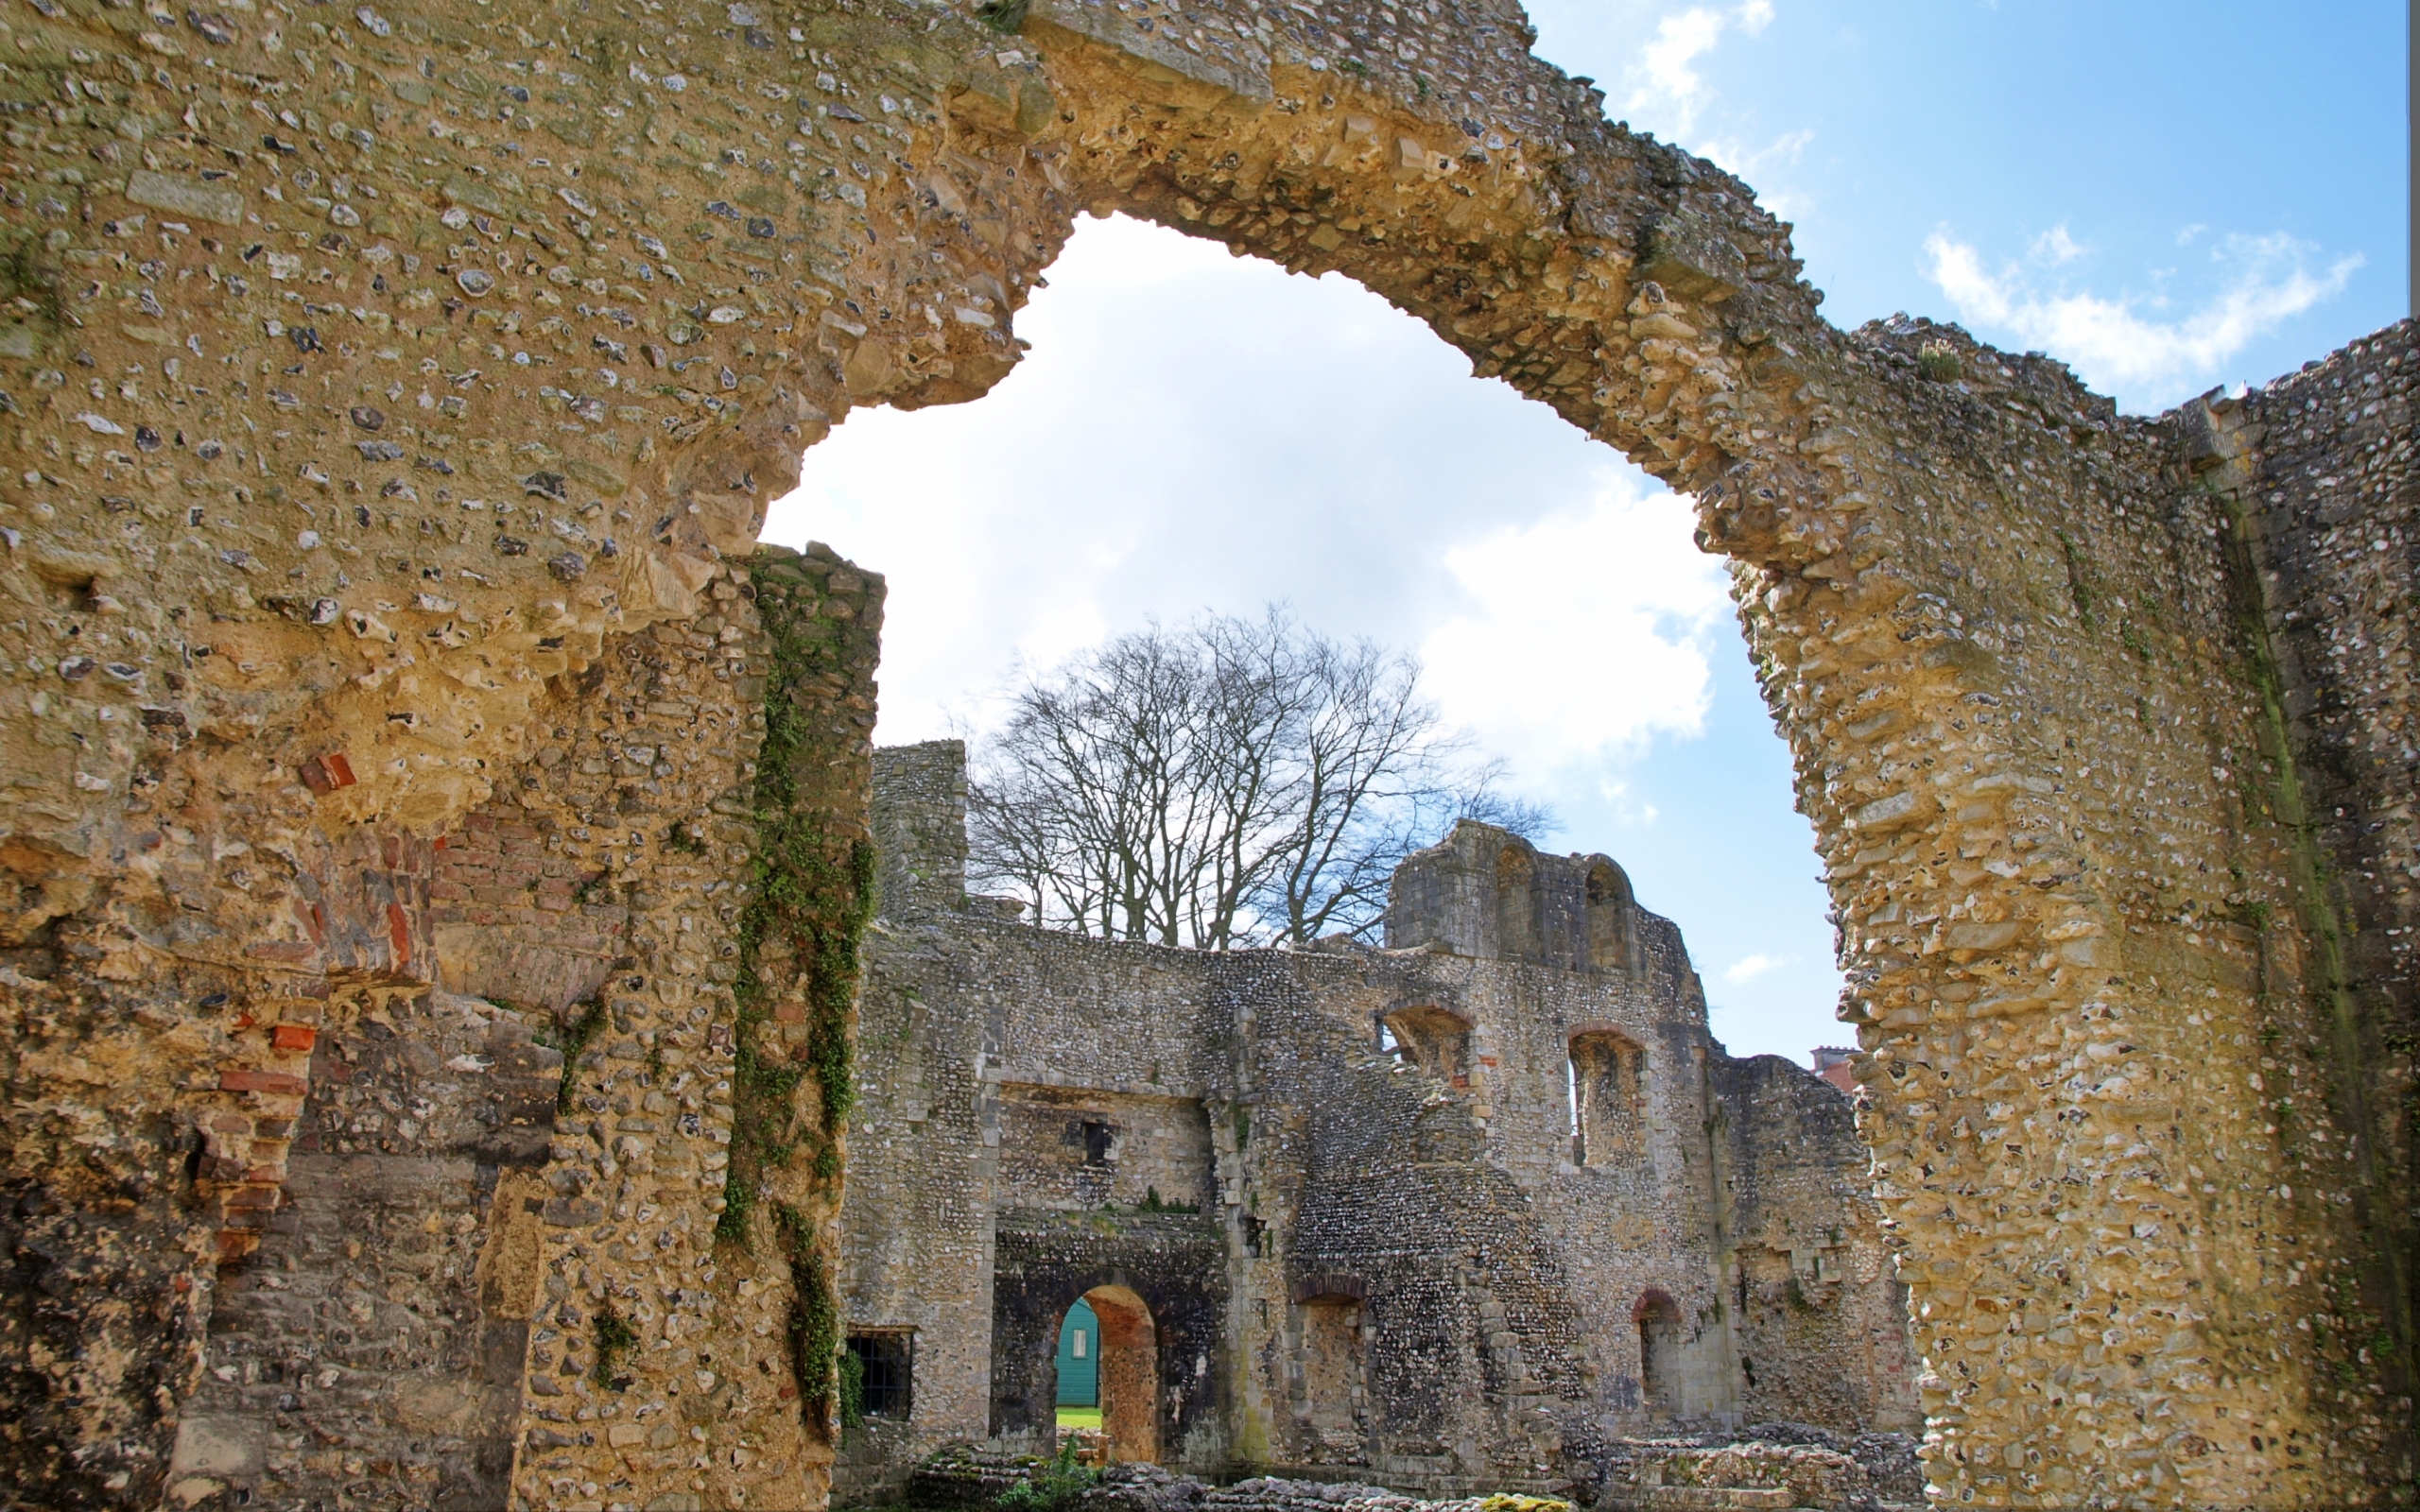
371,378
1343,1185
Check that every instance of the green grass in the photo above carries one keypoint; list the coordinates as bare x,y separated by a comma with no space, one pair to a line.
1079,1416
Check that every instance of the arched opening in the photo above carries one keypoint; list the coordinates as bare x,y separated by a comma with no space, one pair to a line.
1613,918
1608,1098
1645,298
1658,1318
1109,1378
1437,1041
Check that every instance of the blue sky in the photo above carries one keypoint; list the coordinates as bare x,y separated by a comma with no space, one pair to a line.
2168,197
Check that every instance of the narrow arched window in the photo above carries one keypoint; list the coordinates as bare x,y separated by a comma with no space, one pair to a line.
1613,918
1608,1089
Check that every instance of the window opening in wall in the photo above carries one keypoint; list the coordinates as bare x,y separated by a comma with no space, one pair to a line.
886,1363
1435,1040
1608,1080
1097,1137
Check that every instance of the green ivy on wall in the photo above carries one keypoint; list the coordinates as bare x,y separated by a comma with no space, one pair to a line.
808,899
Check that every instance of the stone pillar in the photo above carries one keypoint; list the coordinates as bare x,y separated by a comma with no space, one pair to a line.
920,804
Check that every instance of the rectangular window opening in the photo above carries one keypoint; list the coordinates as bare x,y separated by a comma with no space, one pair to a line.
888,1362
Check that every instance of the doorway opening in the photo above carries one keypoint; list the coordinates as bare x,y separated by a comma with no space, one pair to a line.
1108,1389
1329,1396
1078,1398
1659,1351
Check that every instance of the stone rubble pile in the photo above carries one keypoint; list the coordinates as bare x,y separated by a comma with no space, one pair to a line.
1770,1465
1781,1467
964,1476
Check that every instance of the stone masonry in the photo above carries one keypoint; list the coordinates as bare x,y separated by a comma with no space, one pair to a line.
1453,1215
392,396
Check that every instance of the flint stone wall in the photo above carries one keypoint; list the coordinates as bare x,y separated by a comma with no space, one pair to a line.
1492,1284
368,375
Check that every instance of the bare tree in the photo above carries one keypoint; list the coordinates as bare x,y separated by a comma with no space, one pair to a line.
1235,781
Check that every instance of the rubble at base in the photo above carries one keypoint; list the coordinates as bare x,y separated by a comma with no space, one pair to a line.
1780,1467
1770,1465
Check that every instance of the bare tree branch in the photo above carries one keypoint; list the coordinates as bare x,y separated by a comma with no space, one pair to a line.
1235,782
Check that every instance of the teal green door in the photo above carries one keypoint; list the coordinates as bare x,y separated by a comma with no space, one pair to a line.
1079,1358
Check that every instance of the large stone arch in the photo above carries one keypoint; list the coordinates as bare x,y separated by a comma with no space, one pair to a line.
2067,716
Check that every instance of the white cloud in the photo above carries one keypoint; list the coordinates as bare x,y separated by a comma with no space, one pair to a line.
1190,431
1588,630
2055,247
1750,967
2153,362
1665,76
1761,167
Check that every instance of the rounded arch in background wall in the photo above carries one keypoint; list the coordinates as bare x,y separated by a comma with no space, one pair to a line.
1660,1338
1516,904
1612,917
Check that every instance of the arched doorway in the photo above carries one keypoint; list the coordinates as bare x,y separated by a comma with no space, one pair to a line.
1109,1361
1659,1351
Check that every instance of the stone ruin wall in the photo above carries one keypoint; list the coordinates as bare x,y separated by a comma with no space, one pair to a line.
424,1215
2103,722
1491,1286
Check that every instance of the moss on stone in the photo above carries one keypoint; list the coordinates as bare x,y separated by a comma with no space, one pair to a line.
815,1315
808,897
2343,1054
812,891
